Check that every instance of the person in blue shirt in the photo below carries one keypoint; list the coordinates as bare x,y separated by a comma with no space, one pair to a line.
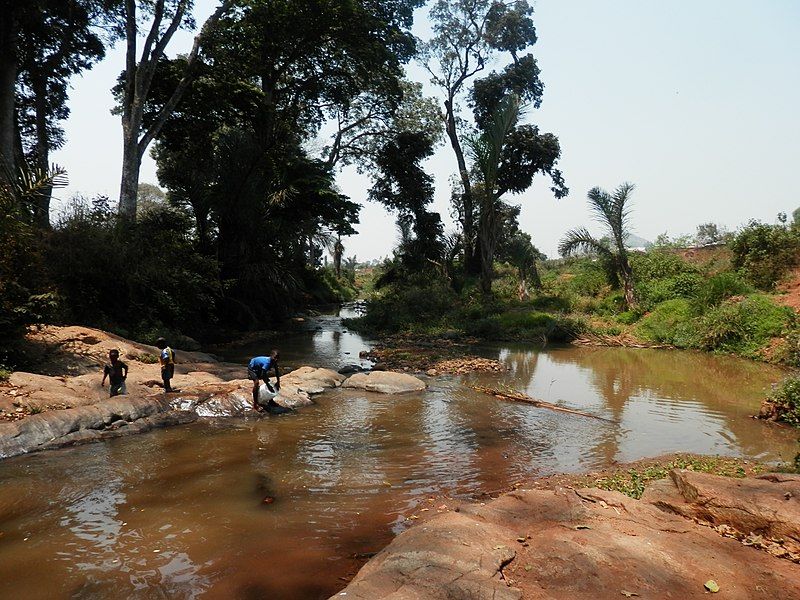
258,370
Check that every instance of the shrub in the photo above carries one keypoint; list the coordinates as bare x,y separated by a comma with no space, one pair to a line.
683,285
419,302
720,287
744,325
672,322
785,401
5,373
658,264
765,253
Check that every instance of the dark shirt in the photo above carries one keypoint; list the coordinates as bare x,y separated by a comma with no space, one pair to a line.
114,371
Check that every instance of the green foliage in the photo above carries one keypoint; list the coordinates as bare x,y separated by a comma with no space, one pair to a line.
785,399
144,275
633,481
653,292
147,358
5,373
722,286
658,264
670,323
744,326
765,253
417,302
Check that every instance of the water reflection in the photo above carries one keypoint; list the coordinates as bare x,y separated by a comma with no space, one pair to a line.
178,513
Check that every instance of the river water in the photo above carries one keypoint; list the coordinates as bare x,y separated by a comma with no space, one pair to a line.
179,513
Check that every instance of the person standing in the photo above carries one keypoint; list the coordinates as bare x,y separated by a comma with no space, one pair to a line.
258,370
167,361
117,373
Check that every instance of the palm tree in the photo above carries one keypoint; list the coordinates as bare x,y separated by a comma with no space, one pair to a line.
486,151
612,210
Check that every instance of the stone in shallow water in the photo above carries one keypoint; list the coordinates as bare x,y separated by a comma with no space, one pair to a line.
385,382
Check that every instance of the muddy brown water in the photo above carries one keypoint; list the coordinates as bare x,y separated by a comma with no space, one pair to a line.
179,513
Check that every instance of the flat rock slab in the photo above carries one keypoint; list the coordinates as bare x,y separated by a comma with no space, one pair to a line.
768,505
385,382
584,544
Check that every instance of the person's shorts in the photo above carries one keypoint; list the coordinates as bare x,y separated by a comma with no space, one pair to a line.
117,389
167,372
251,374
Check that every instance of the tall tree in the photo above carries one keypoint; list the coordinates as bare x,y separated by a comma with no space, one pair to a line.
467,34
61,41
402,185
506,157
613,212
166,17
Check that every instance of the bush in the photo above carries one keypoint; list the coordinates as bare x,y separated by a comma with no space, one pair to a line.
658,264
744,326
419,302
720,287
144,275
537,326
652,293
672,322
785,400
765,253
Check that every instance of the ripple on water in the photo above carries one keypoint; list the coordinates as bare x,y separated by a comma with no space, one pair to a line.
180,513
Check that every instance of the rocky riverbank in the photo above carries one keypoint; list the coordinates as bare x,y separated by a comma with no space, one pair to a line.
689,535
65,404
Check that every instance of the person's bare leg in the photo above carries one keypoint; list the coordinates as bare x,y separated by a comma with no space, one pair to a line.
255,395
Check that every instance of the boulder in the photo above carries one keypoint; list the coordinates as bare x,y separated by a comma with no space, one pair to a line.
312,377
385,382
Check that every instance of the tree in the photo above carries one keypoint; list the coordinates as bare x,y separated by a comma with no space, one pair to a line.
506,157
467,33
149,197
401,184
709,234
20,268
613,212
61,41
167,16
515,247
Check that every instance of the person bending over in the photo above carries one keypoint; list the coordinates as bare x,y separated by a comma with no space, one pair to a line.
258,370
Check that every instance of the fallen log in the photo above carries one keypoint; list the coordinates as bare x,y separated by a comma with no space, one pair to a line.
520,397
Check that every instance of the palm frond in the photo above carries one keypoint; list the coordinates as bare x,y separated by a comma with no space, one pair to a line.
577,241
620,202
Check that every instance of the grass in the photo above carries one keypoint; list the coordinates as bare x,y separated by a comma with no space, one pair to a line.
147,358
633,481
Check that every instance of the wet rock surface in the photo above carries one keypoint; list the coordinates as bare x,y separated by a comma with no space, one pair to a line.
385,382
69,406
590,544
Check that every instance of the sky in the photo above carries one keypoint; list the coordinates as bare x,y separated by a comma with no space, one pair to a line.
693,101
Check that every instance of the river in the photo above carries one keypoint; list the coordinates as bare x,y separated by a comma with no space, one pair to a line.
179,513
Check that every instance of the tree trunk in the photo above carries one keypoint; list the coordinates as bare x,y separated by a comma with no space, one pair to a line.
8,79
131,163
486,234
43,197
626,274
467,224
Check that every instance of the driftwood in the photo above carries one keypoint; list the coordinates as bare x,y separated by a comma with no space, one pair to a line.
520,397
623,340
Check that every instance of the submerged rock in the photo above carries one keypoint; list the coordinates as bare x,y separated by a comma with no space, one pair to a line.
385,382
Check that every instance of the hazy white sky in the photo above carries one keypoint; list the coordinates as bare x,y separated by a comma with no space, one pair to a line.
695,101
